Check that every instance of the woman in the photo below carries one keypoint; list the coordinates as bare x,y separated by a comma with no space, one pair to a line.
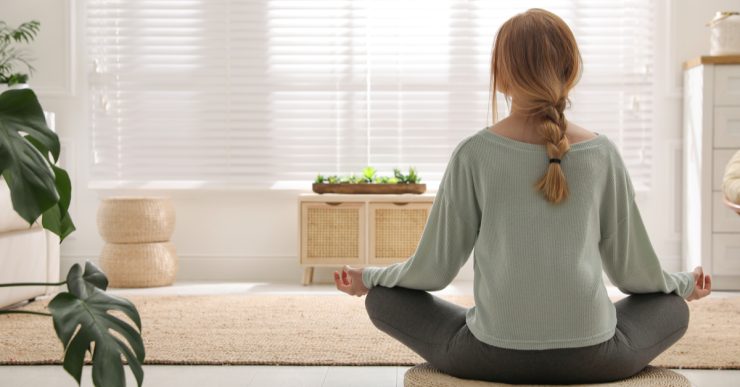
542,313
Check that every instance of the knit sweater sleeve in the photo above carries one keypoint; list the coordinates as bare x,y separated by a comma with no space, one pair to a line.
448,237
627,254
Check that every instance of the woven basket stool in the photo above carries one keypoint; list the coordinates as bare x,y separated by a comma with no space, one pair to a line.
137,232
139,265
136,219
424,375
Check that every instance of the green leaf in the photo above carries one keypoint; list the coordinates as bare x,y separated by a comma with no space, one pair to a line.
56,219
398,175
21,111
53,220
95,276
27,170
64,188
28,151
17,78
368,172
86,307
29,177
412,176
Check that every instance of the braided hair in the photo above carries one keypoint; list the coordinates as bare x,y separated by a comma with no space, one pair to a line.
536,62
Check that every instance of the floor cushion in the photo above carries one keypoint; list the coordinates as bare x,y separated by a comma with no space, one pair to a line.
424,375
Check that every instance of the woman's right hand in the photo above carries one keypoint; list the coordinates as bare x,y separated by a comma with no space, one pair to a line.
702,285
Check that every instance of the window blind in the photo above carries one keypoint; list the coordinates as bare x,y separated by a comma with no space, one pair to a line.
269,93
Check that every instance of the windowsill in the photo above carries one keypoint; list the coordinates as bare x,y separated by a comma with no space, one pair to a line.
197,185
280,186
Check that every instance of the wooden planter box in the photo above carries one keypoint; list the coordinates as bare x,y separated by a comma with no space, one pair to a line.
369,188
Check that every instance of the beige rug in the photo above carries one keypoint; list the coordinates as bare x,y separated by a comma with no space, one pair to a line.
316,330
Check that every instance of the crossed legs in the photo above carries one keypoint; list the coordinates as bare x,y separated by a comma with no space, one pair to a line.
647,324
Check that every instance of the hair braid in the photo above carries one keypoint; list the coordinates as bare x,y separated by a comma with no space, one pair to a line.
553,126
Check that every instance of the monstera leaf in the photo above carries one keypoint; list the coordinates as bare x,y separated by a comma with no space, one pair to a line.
56,219
28,152
86,307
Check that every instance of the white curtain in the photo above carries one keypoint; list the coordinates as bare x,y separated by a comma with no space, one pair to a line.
269,93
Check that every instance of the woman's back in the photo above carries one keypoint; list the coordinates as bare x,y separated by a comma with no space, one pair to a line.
540,259
538,265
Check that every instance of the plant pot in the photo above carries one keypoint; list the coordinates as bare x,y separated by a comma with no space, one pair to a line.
369,188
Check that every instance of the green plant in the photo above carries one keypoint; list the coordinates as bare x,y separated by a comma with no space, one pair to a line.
11,56
29,151
368,173
382,179
369,176
411,178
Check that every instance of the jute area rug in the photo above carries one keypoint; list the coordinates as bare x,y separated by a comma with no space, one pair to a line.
316,330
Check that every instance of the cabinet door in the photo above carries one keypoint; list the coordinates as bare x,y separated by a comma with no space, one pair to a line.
395,229
727,127
726,254
724,219
332,233
726,85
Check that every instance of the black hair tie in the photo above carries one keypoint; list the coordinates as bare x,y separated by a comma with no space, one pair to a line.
555,161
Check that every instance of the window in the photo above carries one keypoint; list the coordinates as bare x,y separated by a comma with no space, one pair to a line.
268,93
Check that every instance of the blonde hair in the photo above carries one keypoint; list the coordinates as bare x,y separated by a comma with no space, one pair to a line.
536,62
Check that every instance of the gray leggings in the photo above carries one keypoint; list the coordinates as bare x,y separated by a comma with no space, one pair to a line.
647,324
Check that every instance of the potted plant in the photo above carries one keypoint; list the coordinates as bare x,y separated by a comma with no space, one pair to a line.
370,182
13,57
39,189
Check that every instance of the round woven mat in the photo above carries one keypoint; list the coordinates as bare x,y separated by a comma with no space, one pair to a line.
424,375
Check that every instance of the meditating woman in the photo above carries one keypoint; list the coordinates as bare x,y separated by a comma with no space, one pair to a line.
545,205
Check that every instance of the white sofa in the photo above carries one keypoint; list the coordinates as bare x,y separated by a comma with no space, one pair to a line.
27,254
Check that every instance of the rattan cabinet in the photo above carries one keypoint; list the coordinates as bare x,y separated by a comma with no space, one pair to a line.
359,230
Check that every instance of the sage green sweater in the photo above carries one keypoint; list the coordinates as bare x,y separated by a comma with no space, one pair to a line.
538,266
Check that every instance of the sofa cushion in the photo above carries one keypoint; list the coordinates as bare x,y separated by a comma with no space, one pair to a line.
9,219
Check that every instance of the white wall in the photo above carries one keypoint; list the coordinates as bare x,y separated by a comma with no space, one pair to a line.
246,235
682,35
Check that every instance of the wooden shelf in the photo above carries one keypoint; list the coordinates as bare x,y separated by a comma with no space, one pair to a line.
701,60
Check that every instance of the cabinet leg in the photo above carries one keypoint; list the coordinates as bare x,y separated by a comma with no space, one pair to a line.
307,275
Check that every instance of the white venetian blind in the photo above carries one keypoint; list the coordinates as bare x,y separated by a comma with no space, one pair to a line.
265,93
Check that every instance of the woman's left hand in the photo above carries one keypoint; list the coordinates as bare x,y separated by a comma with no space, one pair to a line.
350,281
